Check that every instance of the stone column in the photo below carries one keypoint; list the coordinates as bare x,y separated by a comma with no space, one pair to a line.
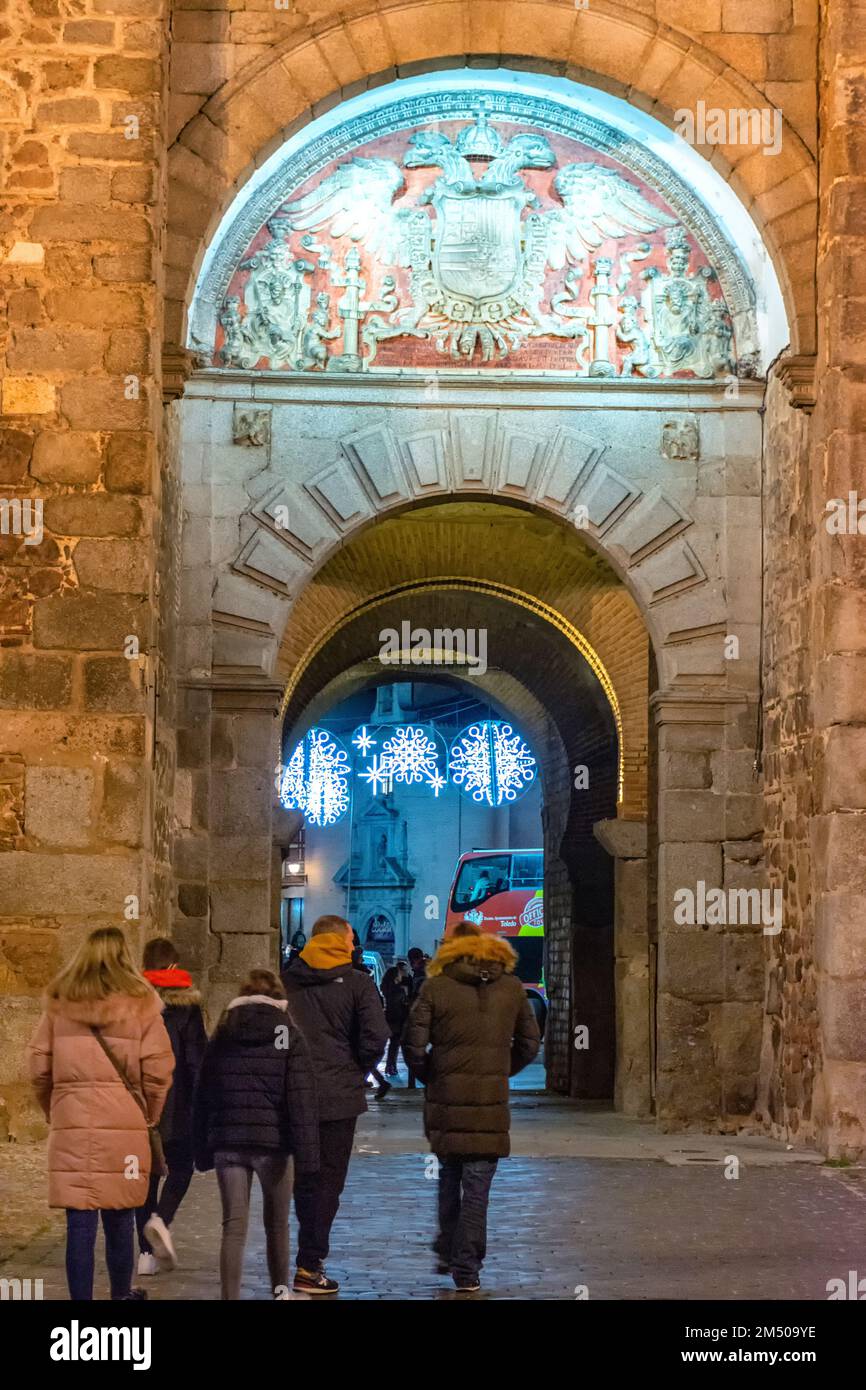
244,754
838,825
626,842
710,985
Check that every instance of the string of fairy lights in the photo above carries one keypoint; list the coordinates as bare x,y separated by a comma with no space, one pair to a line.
488,762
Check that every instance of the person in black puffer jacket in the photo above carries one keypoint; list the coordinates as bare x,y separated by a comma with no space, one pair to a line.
255,1111
184,1023
339,1011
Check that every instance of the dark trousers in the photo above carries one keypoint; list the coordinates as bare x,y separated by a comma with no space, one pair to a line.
235,1179
464,1191
81,1229
179,1161
393,1050
317,1195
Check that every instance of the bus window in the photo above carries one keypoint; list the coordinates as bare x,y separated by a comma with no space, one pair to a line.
530,958
478,880
527,870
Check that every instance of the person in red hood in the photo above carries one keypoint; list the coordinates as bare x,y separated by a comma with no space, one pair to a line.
184,1023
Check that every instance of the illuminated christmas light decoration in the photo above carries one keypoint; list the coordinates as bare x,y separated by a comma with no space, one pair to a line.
491,763
436,783
409,754
412,755
378,770
316,779
362,741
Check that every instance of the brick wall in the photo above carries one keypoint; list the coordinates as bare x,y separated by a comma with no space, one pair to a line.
80,410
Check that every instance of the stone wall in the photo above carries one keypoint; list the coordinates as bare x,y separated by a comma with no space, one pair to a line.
792,1051
814,1060
81,251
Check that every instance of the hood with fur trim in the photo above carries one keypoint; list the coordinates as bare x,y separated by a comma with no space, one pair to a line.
99,1012
174,987
480,950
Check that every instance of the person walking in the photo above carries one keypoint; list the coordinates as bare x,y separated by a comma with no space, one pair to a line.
474,1017
374,1078
418,962
255,1112
184,1024
396,986
101,1064
339,1012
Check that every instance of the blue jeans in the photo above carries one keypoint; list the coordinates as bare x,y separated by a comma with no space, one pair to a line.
81,1228
464,1191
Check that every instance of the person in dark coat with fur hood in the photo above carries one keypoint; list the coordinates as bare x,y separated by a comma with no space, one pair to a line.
470,1029
184,1022
256,1112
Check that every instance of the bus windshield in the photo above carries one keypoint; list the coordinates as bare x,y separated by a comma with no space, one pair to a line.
479,879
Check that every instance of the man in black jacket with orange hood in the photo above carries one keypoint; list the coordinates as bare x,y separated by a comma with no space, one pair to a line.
339,1012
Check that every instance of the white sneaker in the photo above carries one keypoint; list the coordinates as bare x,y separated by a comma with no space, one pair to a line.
158,1236
148,1264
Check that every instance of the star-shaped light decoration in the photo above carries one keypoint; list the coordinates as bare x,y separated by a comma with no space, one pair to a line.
436,783
363,741
379,770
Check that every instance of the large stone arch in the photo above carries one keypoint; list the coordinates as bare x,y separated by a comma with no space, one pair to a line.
671,550
537,677
656,67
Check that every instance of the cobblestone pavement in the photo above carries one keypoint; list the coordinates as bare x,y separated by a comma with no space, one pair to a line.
588,1199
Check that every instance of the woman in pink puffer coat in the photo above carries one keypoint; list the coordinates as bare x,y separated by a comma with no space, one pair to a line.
98,1148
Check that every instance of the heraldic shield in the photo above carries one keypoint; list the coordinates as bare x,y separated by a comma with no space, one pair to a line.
477,251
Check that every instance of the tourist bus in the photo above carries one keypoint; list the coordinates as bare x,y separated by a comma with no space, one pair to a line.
502,891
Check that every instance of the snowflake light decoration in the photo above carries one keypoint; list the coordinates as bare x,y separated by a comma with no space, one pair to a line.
411,754
491,763
316,779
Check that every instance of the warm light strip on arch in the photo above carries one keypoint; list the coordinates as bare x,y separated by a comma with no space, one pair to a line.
490,590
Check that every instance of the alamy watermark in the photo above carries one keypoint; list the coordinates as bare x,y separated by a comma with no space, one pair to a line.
846,516
715,125
719,907
440,646
22,516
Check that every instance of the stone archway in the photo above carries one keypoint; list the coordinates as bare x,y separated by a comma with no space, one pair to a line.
538,677
628,519
706,806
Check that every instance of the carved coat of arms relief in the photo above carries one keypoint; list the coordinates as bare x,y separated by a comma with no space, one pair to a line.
477,267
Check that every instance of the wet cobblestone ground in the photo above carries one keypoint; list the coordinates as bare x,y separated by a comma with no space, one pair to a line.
589,1199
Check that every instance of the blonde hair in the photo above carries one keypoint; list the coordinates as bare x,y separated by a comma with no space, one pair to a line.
101,966
330,924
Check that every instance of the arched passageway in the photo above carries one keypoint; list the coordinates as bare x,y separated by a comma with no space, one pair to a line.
348,466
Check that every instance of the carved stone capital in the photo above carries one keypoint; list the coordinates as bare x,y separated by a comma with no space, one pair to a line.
177,365
623,839
797,375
